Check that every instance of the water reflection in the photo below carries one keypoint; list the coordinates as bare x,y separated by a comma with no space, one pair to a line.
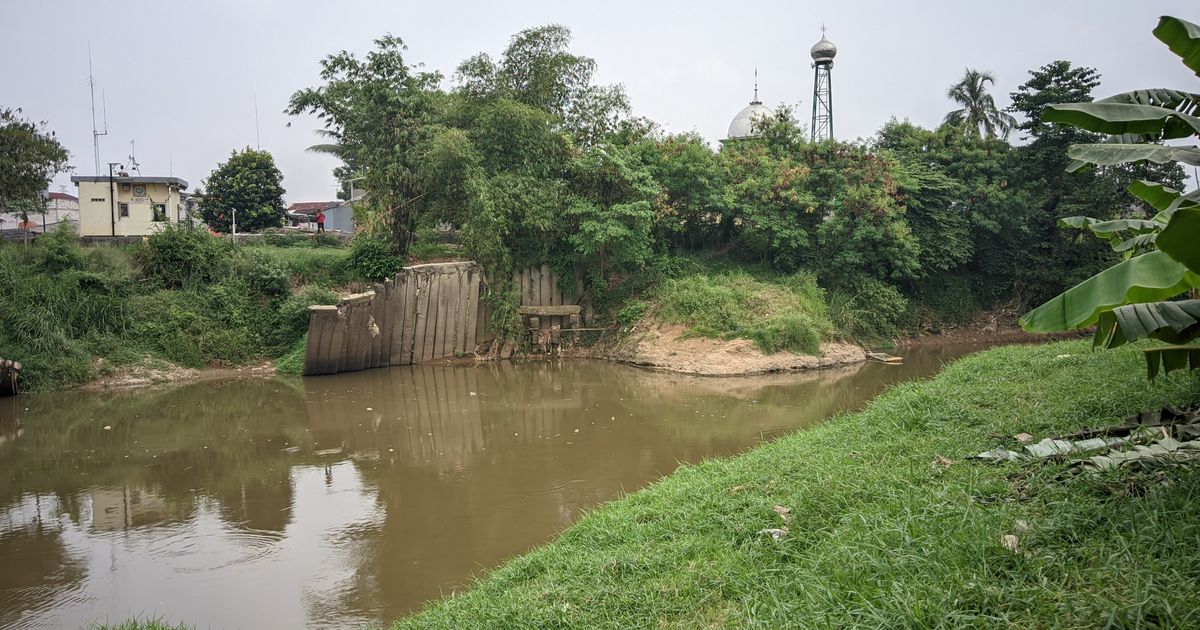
352,498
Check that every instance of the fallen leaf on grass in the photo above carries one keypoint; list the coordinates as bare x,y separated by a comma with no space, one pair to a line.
784,512
1010,542
1023,438
941,462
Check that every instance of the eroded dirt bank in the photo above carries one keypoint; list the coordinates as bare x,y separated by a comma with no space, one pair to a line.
668,348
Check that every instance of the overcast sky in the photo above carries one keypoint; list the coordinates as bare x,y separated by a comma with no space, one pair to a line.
181,78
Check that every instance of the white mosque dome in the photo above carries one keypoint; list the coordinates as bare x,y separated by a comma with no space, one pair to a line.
743,124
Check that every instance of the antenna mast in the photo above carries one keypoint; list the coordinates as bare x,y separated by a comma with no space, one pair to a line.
257,138
95,133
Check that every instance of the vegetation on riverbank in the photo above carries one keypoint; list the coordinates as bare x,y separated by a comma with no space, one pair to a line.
883,531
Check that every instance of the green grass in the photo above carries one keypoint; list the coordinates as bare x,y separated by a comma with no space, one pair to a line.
880,537
325,266
777,313
62,307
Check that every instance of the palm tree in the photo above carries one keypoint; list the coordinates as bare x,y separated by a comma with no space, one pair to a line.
979,113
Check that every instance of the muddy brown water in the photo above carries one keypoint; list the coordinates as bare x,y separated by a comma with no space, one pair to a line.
351,499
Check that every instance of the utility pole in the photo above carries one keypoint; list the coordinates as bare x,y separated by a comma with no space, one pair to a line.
112,197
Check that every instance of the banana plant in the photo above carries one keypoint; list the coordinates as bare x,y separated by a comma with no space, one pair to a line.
1140,297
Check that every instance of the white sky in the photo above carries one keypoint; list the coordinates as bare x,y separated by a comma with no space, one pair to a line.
181,78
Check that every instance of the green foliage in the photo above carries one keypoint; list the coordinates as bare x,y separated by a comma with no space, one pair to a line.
292,363
866,310
538,70
292,314
784,315
1127,299
358,100
979,114
60,249
178,256
248,185
371,257
631,312
30,157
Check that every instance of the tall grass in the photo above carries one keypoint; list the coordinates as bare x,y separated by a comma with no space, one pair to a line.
787,314
63,307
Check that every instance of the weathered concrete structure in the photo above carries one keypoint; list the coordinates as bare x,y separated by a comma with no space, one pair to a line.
426,312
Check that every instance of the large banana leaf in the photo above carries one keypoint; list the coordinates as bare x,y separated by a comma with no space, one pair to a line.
1124,118
1136,243
1159,196
1190,200
1114,226
1150,277
1173,322
1183,38
1184,102
1181,238
1172,358
1105,154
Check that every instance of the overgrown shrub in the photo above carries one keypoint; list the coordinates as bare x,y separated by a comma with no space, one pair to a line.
60,249
178,257
945,298
788,315
262,275
867,310
372,257
292,315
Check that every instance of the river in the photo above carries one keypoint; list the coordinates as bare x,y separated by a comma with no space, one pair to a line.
352,499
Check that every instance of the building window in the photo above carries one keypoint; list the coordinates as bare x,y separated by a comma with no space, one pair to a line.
124,209
160,211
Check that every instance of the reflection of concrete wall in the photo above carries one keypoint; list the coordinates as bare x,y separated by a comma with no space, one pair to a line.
10,424
119,508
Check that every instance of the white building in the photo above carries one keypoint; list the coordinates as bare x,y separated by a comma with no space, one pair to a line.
122,205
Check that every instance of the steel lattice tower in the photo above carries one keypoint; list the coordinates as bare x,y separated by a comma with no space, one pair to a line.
823,53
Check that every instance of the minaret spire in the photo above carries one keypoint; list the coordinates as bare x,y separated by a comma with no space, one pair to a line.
756,85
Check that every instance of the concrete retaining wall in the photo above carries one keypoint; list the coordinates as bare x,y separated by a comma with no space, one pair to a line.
426,312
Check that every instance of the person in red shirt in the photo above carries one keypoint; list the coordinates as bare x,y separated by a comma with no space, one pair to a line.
320,220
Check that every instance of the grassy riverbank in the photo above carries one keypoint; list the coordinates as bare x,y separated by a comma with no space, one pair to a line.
881,535
71,314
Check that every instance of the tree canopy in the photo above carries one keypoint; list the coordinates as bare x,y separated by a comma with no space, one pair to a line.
30,155
249,185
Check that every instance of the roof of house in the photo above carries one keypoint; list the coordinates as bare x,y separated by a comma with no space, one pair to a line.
63,196
16,234
311,207
130,180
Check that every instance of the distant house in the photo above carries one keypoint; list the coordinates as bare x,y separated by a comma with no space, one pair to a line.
339,215
62,207
125,205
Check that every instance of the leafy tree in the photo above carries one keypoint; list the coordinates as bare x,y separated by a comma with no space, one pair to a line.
1051,257
611,213
379,108
30,155
693,181
1138,297
248,184
979,114
537,70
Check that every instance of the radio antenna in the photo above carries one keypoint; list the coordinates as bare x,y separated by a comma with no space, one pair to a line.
96,133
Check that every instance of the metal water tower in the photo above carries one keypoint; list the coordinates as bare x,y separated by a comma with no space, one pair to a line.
823,53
